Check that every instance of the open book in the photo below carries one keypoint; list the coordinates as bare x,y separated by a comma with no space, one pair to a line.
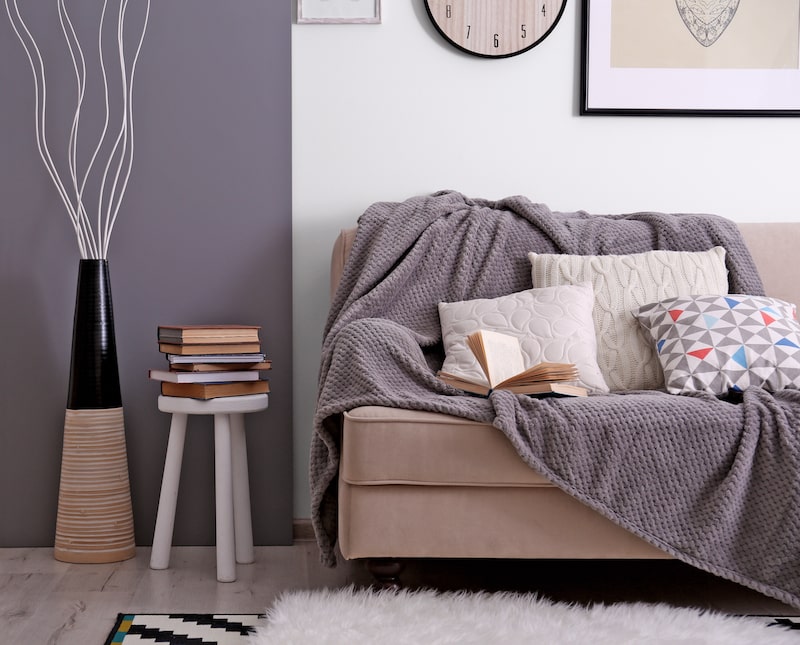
500,358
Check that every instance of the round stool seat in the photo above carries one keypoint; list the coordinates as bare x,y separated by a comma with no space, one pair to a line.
220,405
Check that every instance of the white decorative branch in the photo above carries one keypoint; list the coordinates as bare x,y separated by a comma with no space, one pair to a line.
93,238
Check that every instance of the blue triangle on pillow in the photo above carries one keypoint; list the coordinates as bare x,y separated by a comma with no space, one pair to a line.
786,343
740,357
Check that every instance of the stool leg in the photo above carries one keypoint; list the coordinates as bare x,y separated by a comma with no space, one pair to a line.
165,519
243,523
226,556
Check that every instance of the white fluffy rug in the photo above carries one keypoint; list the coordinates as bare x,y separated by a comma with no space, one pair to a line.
351,617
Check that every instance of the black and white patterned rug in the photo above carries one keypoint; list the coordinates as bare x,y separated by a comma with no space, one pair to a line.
348,618
185,629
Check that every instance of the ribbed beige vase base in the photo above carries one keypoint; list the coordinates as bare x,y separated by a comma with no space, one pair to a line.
95,517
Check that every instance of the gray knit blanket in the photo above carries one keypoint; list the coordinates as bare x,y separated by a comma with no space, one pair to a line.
713,482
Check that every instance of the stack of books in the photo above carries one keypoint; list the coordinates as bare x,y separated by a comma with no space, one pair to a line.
209,361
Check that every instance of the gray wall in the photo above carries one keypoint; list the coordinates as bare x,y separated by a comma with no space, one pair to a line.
204,235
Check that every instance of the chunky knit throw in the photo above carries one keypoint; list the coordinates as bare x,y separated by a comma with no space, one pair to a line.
715,483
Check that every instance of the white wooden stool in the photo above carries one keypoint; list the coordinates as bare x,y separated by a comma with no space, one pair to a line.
234,524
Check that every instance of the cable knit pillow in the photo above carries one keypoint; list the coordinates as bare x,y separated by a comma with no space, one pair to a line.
718,343
623,283
553,325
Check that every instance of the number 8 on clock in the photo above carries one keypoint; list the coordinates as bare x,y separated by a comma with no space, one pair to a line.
495,28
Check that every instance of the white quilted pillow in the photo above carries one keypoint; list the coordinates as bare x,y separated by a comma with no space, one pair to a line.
622,283
553,325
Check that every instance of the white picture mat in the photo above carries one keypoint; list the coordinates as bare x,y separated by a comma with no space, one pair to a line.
758,35
338,9
678,89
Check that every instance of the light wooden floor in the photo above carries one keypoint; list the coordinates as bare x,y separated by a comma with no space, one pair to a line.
45,602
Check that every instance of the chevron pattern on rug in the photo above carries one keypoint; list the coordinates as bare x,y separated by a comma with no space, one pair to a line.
184,629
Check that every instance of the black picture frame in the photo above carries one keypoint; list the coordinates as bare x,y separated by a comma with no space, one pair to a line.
609,88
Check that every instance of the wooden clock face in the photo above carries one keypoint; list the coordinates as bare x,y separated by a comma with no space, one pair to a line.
495,28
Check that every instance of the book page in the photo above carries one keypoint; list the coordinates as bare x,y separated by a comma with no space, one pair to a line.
499,354
543,373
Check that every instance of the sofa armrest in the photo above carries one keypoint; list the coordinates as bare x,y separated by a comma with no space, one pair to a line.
341,251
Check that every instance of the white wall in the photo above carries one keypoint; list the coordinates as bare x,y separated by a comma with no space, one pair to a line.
384,112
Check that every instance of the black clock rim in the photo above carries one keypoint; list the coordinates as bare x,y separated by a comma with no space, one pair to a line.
510,54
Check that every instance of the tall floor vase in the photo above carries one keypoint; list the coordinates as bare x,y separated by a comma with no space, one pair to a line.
95,516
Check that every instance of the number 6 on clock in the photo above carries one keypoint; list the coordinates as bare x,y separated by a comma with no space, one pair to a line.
495,29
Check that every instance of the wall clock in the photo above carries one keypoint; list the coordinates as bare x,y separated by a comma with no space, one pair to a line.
495,28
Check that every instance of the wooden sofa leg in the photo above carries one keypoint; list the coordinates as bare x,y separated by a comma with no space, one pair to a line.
386,572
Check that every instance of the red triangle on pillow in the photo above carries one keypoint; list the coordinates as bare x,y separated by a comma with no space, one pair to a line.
675,314
700,353
768,320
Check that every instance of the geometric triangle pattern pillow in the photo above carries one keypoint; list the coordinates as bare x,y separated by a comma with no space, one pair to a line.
720,343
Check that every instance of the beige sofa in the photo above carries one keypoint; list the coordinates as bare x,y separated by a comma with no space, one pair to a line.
426,485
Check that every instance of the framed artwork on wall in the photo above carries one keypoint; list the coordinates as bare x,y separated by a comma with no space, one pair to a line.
691,57
338,11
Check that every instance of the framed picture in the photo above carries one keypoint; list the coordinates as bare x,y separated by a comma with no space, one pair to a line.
338,11
691,57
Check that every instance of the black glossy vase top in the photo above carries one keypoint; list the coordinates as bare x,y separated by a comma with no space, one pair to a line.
94,373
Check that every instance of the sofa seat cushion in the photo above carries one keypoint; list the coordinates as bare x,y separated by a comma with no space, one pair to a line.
384,446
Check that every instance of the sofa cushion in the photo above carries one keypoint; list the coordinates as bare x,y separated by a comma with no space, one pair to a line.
623,283
552,324
717,343
393,446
